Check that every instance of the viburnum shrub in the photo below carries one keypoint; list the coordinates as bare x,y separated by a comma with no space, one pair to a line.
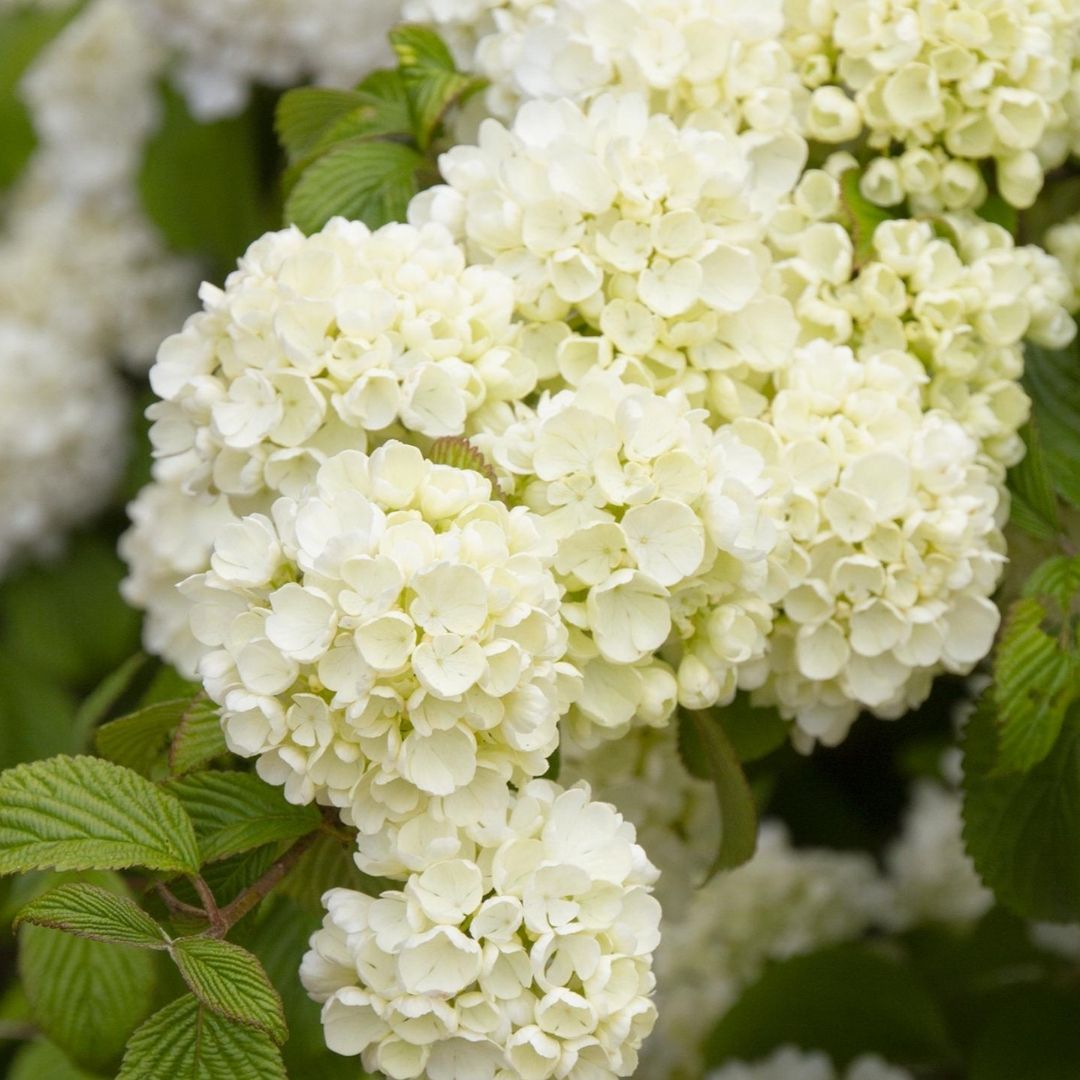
608,558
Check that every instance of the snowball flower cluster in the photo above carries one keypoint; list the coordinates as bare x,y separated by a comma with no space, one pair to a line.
961,303
790,1063
62,448
636,241
658,532
316,341
897,545
686,56
531,961
223,49
388,638
980,79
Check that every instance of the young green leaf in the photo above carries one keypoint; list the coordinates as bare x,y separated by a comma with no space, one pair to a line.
432,79
1022,830
457,451
231,982
87,996
304,114
92,912
198,738
185,1041
141,740
84,813
1053,380
1034,506
863,217
712,755
234,812
369,181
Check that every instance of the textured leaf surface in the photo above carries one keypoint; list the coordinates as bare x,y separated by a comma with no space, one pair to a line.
92,912
198,738
185,1041
141,740
234,812
229,980
1034,506
85,813
1053,380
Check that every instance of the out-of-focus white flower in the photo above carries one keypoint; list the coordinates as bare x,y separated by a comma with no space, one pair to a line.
897,543
316,341
659,535
931,876
224,49
388,643
790,1063
686,56
784,902
532,960
63,419
636,241
979,80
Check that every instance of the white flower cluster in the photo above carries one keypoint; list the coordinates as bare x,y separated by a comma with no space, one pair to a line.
63,420
316,341
389,638
531,960
224,48
951,83
1063,242
638,243
687,57
961,303
790,1063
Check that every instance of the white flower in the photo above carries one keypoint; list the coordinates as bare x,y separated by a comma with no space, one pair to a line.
223,50
315,341
62,422
532,959
645,236
790,1063
387,643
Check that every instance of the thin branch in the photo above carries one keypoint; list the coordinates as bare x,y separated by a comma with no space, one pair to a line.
176,905
211,910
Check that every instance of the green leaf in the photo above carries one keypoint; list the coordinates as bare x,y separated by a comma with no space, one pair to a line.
432,80
754,731
707,746
234,812
369,181
185,1041
37,716
1053,380
103,699
846,1000
86,996
232,982
1034,505
39,1060
1022,830
201,184
84,813
327,864
90,911
458,452
143,740
1037,665
198,739
863,217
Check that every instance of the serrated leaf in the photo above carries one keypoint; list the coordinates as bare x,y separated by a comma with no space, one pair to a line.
92,912
735,801
185,1041
458,452
366,181
863,217
1022,830
303,115
1053,380
1034,505
84,813
143,740
198,739
431,78
232,982
86,996
234,812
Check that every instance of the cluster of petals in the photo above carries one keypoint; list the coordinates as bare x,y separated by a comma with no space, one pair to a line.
982,79
531,961
62,422
686,57
390,637
896,542
223,49
961,302
659,534
791,1063
316,341
637,242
